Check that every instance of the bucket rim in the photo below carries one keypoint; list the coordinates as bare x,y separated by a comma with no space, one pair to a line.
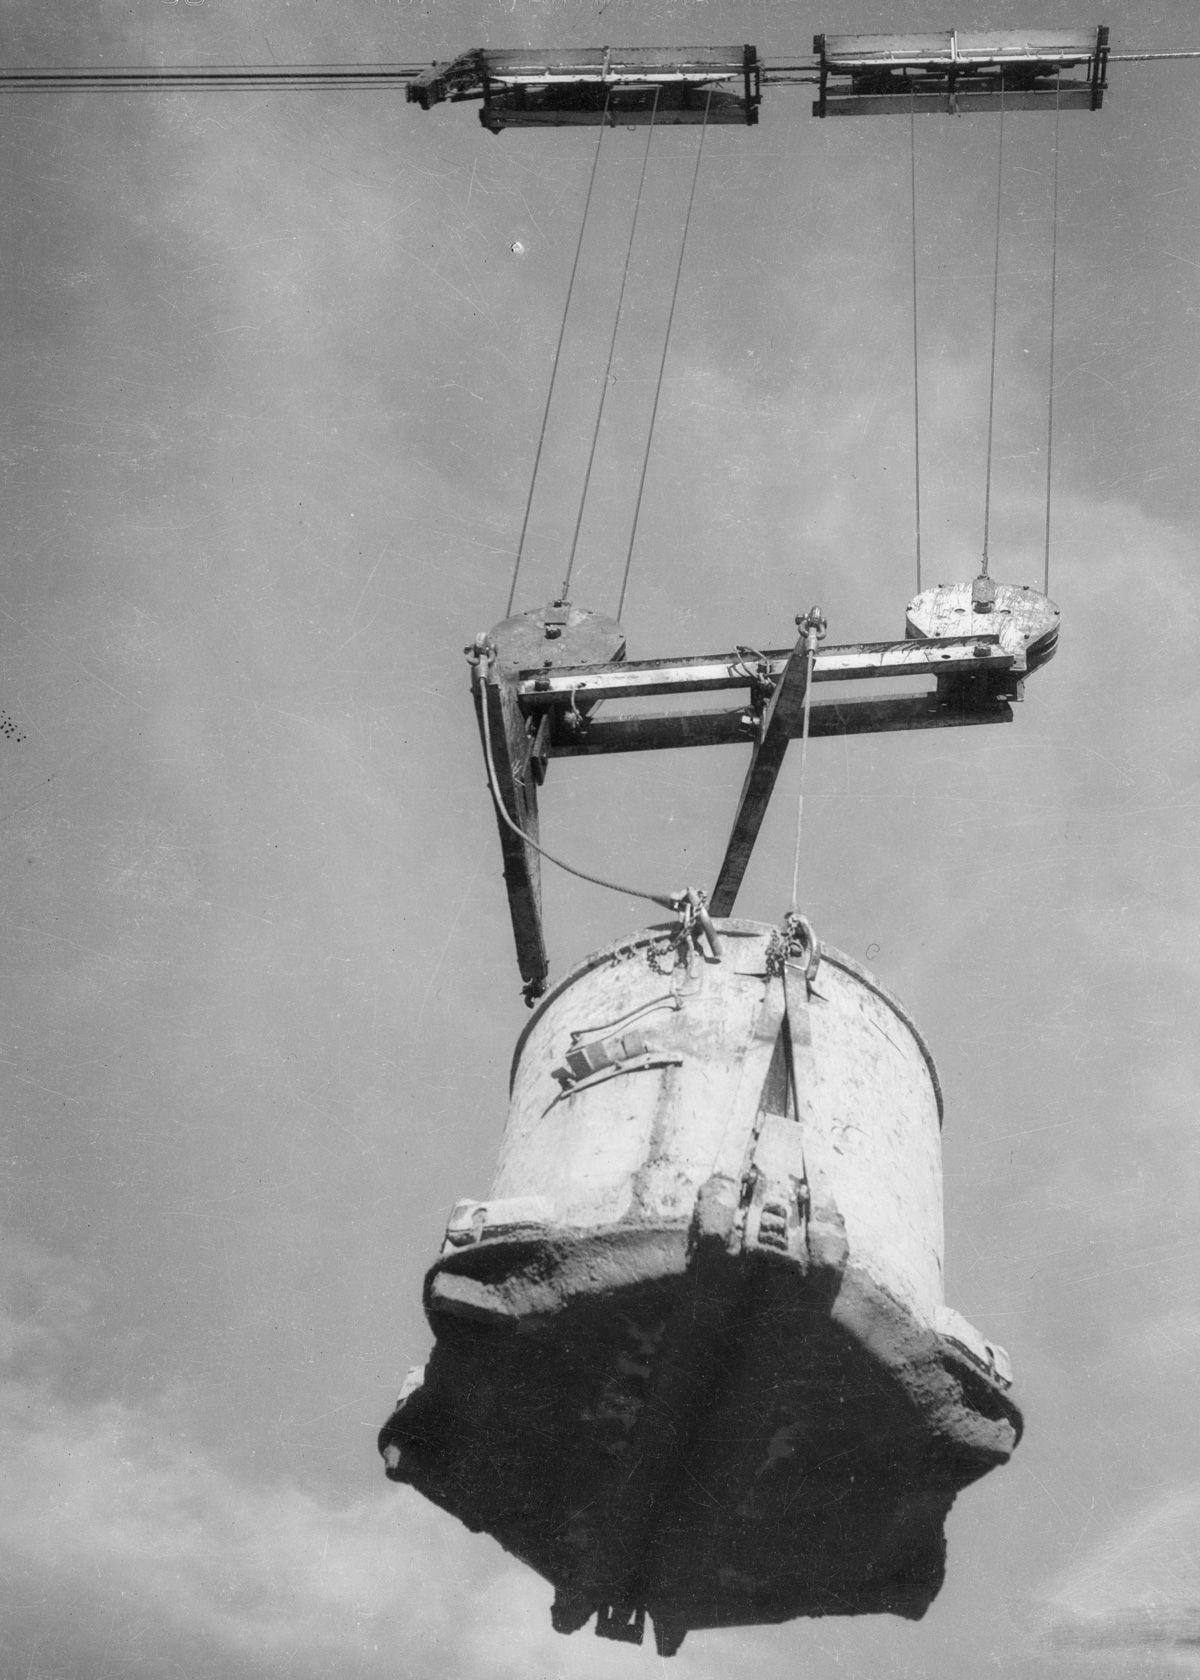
733,927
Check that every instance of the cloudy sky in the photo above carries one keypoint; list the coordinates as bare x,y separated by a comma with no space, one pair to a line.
274,371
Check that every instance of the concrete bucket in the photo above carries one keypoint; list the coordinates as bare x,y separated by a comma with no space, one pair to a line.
692,1356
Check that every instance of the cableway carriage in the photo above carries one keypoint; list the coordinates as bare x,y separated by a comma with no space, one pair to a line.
959,71
631,86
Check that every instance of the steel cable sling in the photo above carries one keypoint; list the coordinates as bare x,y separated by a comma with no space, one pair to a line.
1050,382
512,589
987,488
667,901
612,345
687,222
912,168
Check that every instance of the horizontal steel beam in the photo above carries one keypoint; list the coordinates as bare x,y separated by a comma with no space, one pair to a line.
706,672
664,730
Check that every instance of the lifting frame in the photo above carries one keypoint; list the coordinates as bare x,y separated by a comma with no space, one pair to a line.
535,715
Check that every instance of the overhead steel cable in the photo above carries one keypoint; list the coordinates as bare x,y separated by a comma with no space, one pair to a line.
1151,57
198,76
802,71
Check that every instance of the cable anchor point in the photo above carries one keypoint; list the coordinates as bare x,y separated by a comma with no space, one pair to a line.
801,944
691,906
814,626
983,592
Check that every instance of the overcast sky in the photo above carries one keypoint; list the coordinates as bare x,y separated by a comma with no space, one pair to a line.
274,370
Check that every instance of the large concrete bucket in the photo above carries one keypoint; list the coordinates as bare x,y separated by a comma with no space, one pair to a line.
692,1351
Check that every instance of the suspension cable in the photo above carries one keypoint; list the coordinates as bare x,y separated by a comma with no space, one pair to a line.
987,492
612,344
512,588
912,161
664,900
1053,298
687,222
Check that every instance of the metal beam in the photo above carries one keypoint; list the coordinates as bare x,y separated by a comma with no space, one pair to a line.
781,721
661,731
702,673
505,731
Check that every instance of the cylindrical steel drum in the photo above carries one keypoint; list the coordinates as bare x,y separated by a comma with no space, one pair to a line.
672,1098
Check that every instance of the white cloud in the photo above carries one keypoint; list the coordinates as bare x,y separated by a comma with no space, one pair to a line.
1136,1594
130,1550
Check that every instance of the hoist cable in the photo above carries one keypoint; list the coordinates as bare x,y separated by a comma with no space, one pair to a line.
664,900
987,492
1053,300
612,345
512,588
687,222
808,687
912,161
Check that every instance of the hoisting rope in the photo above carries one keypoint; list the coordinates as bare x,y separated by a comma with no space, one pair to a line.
814,628
1053,296
612,344
667,901
512,588
687,222
912,162
987,491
